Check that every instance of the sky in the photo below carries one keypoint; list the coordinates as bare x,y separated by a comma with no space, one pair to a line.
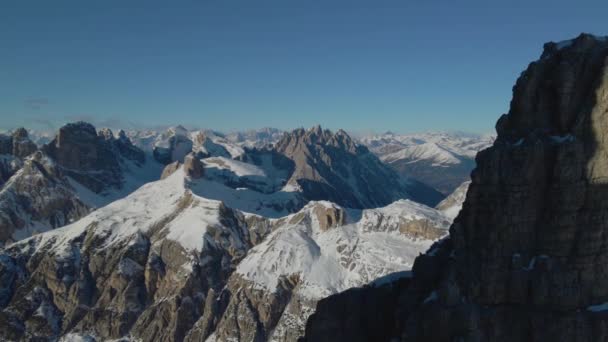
367,66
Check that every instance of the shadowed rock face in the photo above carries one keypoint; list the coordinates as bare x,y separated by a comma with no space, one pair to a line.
13,148
332,166
527,258
91,158
37,192
17,144
22,145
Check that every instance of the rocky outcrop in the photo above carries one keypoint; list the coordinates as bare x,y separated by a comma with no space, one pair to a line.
36,199
93,159
170,169
17,144
22,145
13,149
193,166
526,259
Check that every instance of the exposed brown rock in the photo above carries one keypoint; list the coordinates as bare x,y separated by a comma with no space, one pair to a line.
329,216
169,169
193,166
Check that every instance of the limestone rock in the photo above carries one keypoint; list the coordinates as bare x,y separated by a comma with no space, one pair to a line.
193,166
170,169
93,159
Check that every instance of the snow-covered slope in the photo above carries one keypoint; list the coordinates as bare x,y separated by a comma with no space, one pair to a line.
438,156
255,137
457,143
442,160
138,212
330,260
265,178
204,142
452,204
146,259
319,251
160,262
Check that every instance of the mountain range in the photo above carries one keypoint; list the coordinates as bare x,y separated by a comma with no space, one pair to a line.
442,160
312,235
231,233
174,235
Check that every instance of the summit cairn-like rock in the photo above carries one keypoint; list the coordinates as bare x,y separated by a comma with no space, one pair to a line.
193,166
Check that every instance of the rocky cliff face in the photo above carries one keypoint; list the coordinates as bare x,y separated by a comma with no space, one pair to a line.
334,167
79,170
139,266
22,145
90,158
526,259
36,199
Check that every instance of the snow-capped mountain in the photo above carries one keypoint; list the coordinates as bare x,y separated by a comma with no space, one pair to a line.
255,137
181,268
322,250
333,166
303,165
174,143
79,170
195,233
442,160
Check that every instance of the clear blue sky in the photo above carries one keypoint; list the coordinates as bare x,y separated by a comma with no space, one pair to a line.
374,65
